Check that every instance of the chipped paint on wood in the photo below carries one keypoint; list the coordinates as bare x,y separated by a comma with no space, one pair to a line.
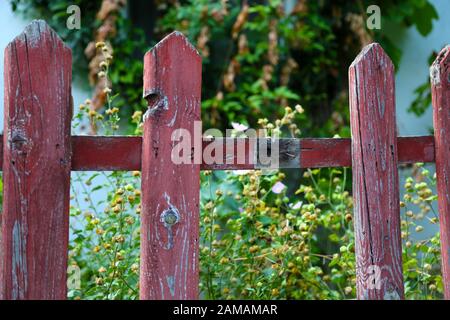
169,218
19,262
36,165
123,153
96,153
375,175
440,89
170,192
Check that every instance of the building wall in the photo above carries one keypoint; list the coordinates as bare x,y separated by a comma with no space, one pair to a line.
414,69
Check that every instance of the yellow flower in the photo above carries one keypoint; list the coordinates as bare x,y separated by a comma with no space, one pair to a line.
136,173
224,260
253,249
299,108
136,115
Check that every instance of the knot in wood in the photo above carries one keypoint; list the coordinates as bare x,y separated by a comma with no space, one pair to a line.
170,217
17,140
157,102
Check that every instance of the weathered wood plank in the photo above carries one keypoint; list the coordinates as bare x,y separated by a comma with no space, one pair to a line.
170,191
96,153
99,153
415,149
375,176
440,88
36,165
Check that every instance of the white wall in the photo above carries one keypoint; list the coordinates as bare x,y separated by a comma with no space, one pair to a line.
414,68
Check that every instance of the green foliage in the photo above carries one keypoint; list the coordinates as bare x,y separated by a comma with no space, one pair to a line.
254,63
421,253
422,100
105,234
258,244
421,15
128,44
105,243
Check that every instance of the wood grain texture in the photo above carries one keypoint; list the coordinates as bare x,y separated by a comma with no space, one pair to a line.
440,88
375,176
96,153
100,153
36,165
415,149
170,192
124,153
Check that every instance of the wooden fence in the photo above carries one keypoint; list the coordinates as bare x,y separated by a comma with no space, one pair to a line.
39,153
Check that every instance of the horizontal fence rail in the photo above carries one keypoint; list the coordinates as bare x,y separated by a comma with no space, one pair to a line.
123,153
38,153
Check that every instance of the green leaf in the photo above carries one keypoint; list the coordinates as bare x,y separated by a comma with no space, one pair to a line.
423,18
422,101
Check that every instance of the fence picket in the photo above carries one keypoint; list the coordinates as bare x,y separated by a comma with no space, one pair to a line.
375,176
36,165
440,88
170,192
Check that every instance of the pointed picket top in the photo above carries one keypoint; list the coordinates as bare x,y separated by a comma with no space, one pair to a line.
36,33
174,52
375,175
374,54
440,66
175,36
36,165
169,250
